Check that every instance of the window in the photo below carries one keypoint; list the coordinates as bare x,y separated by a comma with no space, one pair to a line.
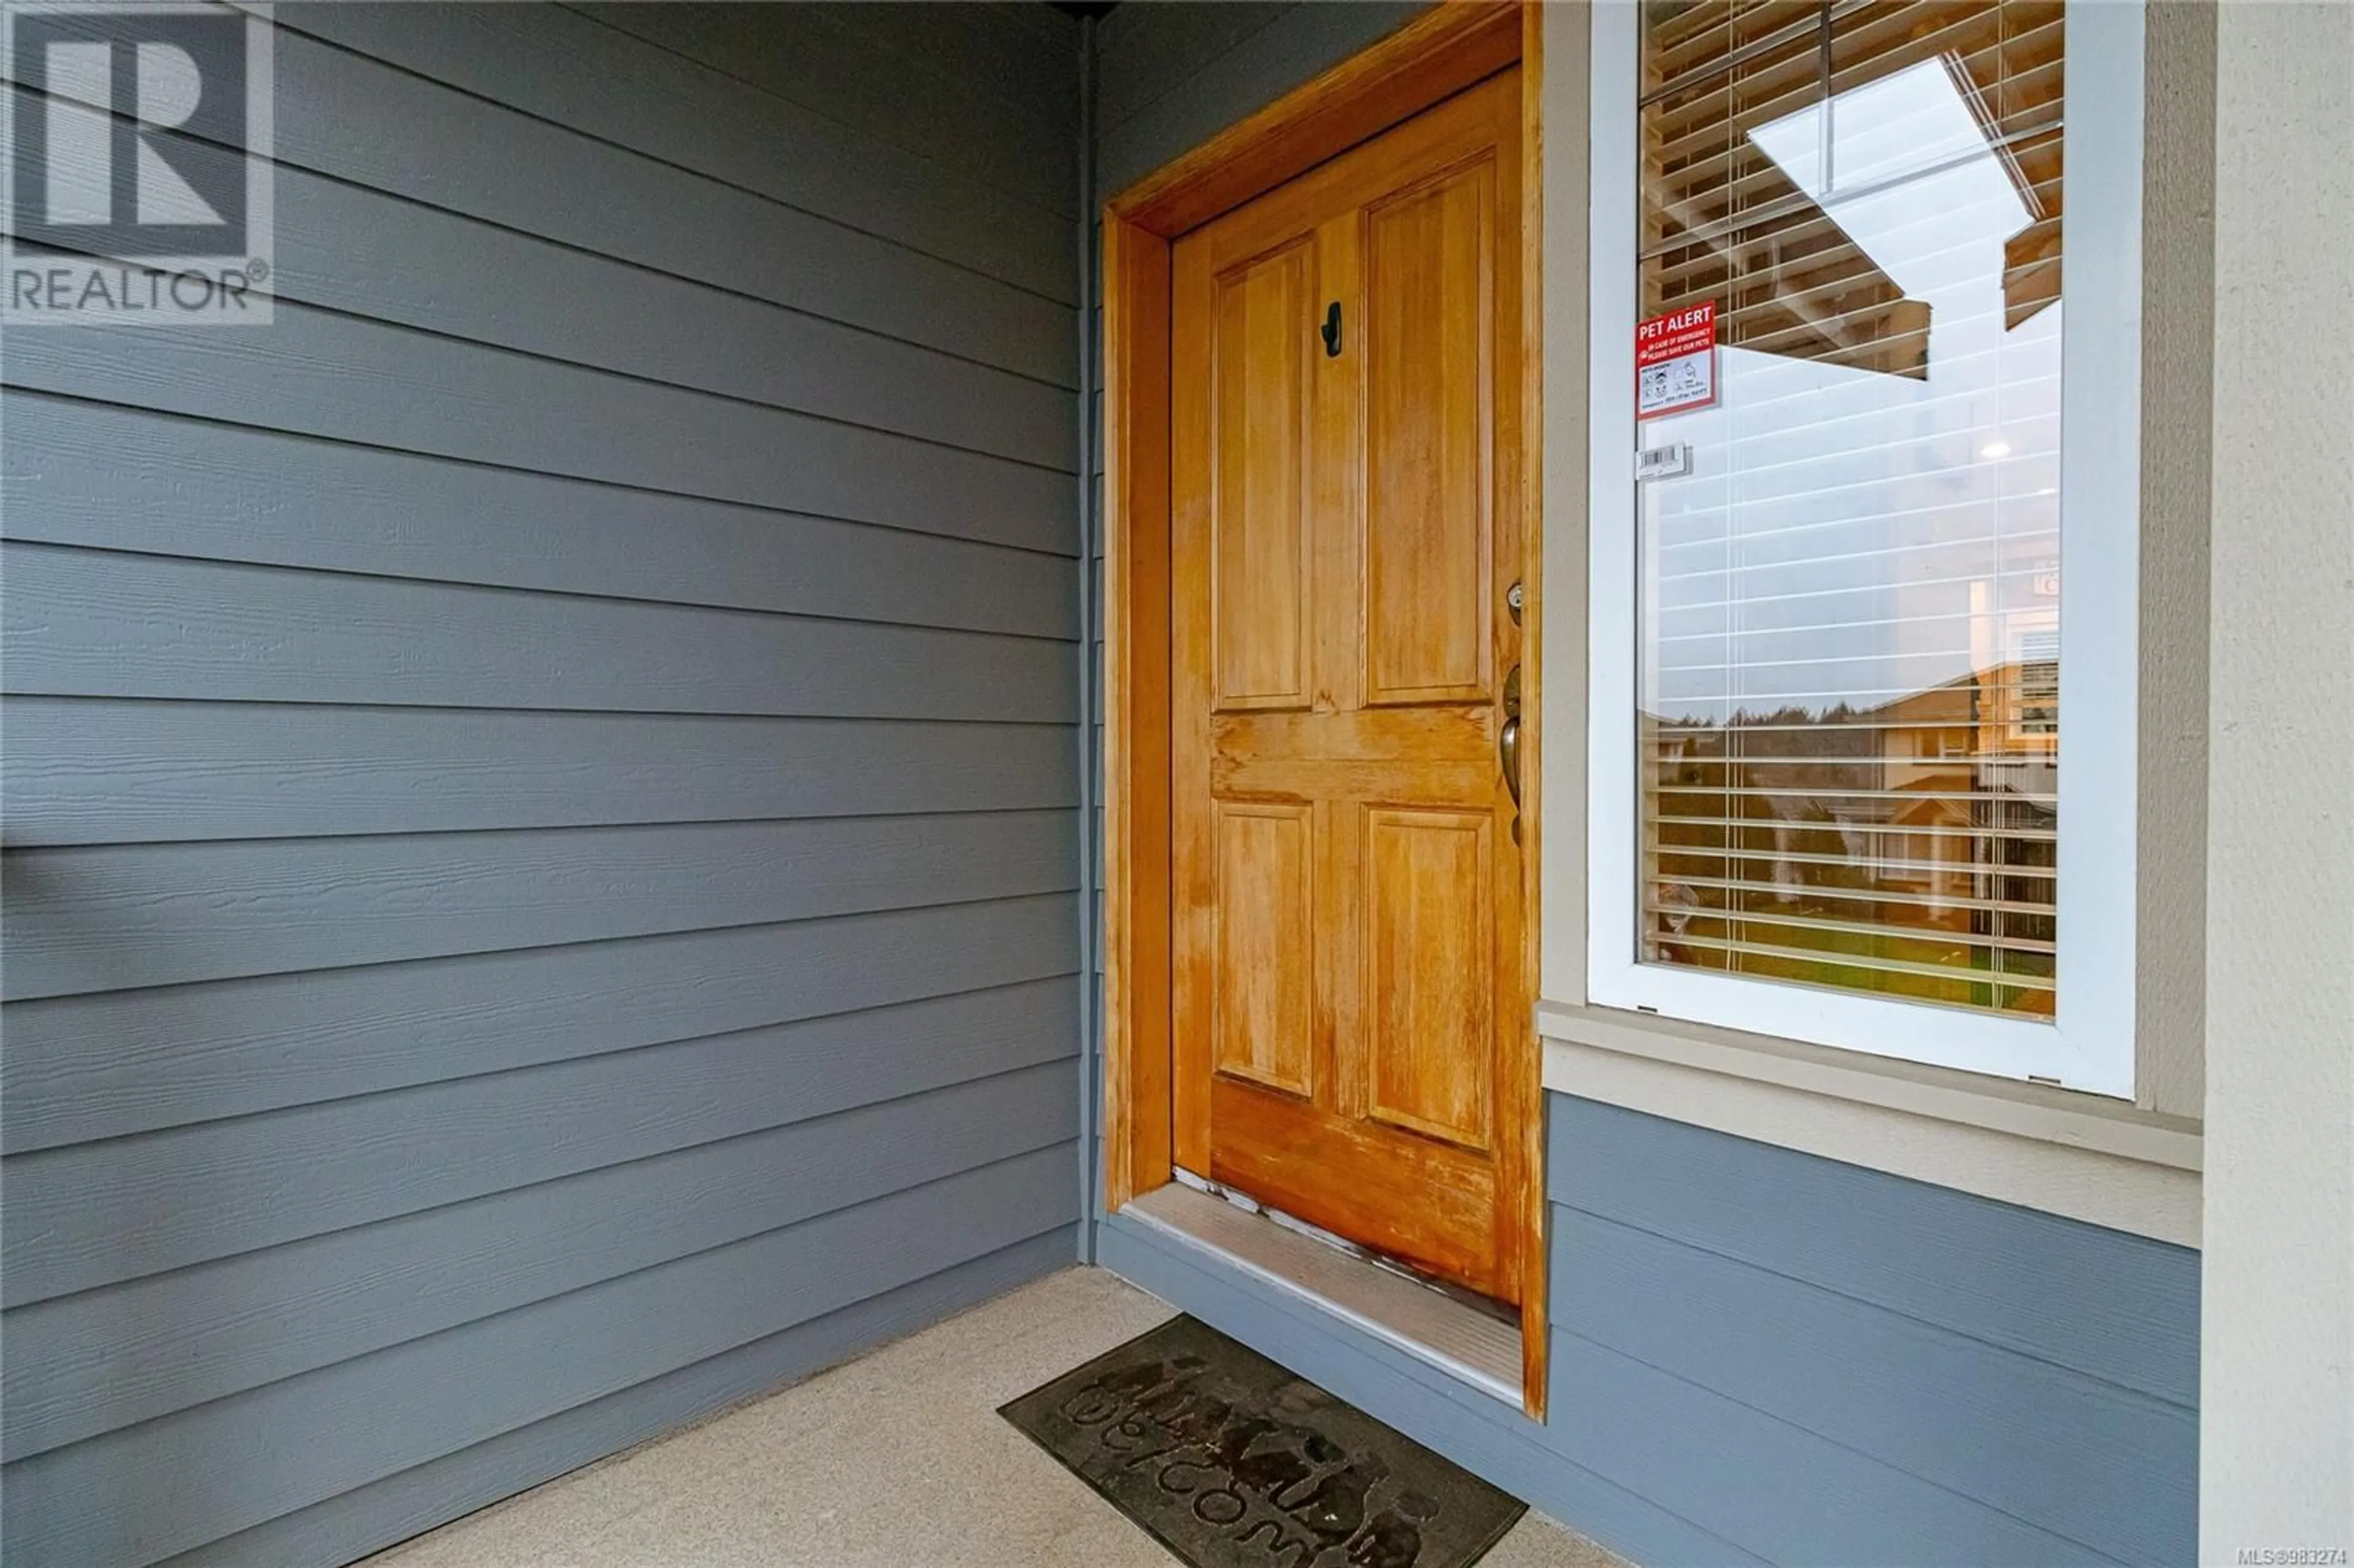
1866,282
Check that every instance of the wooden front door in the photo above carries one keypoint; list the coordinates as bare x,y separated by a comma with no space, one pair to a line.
1349,989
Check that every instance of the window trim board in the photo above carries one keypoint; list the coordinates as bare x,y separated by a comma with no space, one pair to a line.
2102,1163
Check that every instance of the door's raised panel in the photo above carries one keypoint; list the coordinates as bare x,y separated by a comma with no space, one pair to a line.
1265,966
1429,352
1260,409
1429,1023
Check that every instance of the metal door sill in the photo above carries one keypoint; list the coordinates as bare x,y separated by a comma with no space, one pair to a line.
1471,1346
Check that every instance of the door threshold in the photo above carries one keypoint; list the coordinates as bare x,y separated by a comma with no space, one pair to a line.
1473,1346
1504,1311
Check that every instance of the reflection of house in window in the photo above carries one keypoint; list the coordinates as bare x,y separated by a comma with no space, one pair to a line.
2036,694
1973,789
1918,835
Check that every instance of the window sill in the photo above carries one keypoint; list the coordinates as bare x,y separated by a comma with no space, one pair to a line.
2077,1155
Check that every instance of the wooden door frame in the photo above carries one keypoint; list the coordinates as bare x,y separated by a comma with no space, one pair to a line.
1437,55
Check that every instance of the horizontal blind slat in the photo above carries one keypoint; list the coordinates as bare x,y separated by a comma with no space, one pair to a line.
1835,792
1937,900
1771,917
2008,981
1801,857
1929,830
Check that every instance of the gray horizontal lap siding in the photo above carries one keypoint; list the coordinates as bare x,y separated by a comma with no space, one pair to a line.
1757,1356
543,788
417,1499
1827,1363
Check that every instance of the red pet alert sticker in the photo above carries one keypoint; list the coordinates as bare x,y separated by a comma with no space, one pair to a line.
1675,362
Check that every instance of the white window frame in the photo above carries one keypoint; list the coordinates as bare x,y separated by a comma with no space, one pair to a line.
2090,1043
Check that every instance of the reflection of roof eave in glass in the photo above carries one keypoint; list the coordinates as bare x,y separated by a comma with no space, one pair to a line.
1860,320
2030,258
1778,289
1924,123
1872,327
2031,272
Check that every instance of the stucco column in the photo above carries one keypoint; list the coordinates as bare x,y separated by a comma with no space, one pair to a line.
2277,1428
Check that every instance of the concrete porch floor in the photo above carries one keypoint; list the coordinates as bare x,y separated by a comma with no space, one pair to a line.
897,1460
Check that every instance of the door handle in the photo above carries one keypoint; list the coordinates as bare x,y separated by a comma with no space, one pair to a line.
1508,739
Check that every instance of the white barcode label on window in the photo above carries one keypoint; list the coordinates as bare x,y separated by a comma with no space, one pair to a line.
1663,462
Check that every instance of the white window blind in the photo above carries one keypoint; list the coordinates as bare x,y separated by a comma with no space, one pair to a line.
1847,627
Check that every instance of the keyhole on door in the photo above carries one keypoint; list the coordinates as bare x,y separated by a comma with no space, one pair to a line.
1331,330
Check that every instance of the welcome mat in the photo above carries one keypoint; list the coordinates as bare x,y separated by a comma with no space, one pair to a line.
1232,1462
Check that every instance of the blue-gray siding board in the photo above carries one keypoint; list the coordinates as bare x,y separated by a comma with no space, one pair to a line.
1763,1356
414,1499
543,787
